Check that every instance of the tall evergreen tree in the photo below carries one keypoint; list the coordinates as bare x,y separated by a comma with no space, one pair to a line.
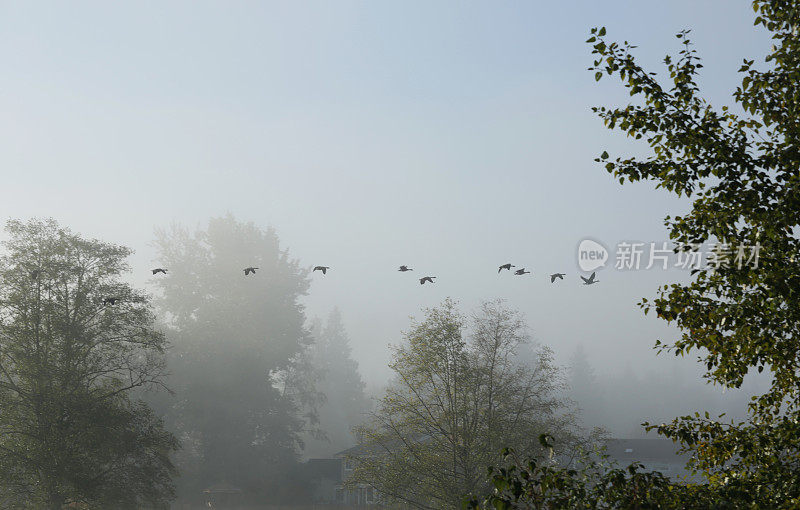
584,388
69,360
582,376
346,403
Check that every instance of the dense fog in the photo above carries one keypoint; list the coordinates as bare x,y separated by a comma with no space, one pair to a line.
208,138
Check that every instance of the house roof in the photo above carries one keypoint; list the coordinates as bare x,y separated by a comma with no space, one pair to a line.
361,449
376,448
379,448
644,450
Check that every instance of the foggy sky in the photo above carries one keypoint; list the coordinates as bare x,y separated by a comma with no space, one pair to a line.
451,137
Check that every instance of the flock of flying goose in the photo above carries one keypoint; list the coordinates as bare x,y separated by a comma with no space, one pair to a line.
519,272
426,279
324,269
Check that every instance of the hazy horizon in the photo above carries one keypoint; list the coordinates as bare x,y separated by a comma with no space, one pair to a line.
448,137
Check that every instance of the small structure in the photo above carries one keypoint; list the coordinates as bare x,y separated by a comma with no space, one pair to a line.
222,496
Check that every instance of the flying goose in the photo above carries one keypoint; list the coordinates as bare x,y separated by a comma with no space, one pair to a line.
405,268
506,266
553,277
590,280
249,270
324,269
521,271
159,270
426,279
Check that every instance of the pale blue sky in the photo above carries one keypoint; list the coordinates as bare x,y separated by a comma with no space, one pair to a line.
450,136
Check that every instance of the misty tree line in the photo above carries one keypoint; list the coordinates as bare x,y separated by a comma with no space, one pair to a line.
252,386
82,419
253,383
619,400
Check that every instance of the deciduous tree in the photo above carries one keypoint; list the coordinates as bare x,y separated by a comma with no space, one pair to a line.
739,167
457,398
242,405
69,430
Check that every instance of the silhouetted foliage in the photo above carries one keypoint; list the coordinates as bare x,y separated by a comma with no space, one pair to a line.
593,483
741,170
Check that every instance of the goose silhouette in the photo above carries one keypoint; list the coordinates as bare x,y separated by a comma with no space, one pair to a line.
590,280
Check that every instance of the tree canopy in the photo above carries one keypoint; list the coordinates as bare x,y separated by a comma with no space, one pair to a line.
457,398
238,343
69,429
739,166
